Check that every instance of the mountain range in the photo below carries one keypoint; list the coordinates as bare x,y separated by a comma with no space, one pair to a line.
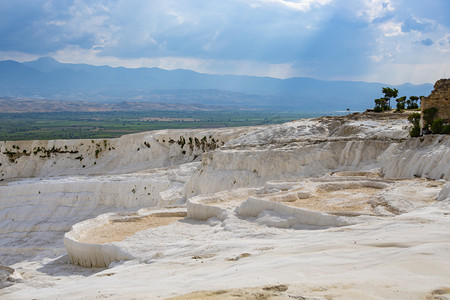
50,79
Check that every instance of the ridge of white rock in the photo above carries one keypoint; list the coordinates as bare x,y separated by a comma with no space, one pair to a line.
290,216
129,153
230,168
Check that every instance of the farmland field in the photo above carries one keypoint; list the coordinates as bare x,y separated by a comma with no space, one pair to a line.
81,125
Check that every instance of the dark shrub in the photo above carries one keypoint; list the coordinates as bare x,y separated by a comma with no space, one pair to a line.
415,131
437,126
377,109
414,119
446,129
428,116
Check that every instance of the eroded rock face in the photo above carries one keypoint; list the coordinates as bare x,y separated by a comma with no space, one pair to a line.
439,98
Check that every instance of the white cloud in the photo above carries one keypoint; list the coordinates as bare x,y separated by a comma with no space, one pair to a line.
408,46
390,28
375,9
56,23
17,56
443,43
414,73
209,45
376,58
301,5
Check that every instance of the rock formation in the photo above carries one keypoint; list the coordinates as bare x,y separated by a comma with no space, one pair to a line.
439,98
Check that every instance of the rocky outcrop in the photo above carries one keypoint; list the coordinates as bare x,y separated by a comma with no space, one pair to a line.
439,98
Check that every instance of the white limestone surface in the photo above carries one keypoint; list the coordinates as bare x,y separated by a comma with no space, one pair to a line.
348,262
217,205
233,168
35,213
330,201
392,191
280,215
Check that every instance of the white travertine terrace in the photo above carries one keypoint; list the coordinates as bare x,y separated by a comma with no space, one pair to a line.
241,207
89,247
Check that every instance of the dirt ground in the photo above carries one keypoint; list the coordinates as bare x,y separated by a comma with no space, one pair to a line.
276,292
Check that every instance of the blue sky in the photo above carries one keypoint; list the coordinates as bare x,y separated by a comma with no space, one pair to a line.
389,41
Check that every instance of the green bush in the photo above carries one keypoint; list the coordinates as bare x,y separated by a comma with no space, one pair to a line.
414,118
446,129
377,109
428,115
415,131
437,126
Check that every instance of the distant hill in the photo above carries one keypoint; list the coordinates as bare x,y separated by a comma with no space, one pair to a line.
34,105
50,79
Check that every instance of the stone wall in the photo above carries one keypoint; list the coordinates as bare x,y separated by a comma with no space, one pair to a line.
439,98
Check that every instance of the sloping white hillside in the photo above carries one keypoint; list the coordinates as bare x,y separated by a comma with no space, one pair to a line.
316,208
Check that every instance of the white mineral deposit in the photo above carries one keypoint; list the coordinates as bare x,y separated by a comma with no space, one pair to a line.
327,208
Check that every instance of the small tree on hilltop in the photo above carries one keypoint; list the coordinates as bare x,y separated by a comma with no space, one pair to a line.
389,93
412,102
380,105
401,103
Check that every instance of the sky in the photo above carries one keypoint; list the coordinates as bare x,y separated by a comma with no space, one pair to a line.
388,41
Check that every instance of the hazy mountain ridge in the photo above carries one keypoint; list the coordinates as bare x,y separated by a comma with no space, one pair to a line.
47,78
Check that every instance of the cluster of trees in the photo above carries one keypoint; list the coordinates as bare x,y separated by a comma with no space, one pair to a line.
384,103
431,123
411,103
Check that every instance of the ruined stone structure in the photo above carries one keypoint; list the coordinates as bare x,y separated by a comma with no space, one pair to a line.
439,98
